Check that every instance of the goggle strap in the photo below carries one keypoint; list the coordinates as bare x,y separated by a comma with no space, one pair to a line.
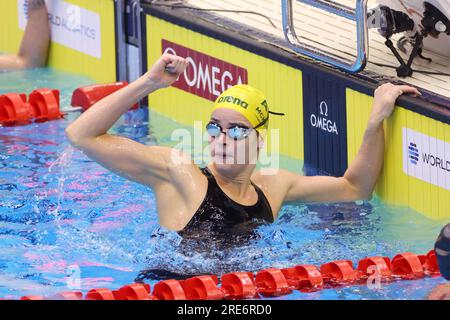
277,113
266,119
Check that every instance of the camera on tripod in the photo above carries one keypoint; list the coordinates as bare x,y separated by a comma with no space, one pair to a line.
433,22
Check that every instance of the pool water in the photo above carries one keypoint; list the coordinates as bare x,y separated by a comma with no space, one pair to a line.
66,223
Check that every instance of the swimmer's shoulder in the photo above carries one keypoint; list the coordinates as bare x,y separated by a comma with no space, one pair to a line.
275,177
179,199
274,184
184,172
182,176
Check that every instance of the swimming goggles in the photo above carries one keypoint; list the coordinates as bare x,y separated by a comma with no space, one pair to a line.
236,132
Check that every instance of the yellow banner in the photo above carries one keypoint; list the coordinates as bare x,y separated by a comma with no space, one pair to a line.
83,35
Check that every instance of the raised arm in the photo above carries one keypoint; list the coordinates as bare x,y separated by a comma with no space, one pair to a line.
35,42
361,176
144,164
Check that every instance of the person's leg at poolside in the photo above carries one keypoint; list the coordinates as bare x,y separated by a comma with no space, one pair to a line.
35,42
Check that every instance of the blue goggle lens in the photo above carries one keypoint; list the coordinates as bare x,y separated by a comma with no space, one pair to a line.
213,129
236,133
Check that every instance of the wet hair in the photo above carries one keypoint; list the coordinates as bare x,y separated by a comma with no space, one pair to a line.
442,248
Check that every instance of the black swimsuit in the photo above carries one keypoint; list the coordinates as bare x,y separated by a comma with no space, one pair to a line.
219,213
218,227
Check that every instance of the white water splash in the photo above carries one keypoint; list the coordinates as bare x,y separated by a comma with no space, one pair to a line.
58,167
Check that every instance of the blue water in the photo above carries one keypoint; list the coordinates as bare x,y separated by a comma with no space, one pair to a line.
62,215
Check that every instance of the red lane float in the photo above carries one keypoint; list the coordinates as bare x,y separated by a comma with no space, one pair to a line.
429,263
269,282
100,294
338,272
407,266
135,291
45,104
371,265
14,109
303,277
238,285
42,105
168,290
86,97
202,288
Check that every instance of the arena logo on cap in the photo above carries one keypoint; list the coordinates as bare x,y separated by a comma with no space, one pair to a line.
233,100
426,158
206,76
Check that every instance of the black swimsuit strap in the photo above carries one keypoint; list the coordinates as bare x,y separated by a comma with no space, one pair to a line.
207,173
263,198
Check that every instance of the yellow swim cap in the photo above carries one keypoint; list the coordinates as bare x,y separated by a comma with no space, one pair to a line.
248,101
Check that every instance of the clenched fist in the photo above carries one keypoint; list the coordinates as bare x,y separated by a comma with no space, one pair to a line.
166,70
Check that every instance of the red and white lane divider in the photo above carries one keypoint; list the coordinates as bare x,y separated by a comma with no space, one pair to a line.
86,97
268,282
41,105
44,104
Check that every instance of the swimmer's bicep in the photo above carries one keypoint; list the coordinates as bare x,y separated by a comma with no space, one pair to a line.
320,189
132,160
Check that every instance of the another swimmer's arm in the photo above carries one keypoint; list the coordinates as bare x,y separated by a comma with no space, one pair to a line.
361,176
145,164
35,42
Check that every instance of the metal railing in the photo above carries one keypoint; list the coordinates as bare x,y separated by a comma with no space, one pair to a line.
358,14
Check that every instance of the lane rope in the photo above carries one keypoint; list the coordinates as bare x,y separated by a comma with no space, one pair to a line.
268,282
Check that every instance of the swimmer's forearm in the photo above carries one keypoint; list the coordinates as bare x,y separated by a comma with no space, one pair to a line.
98,119
34,47
365,169
10,62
